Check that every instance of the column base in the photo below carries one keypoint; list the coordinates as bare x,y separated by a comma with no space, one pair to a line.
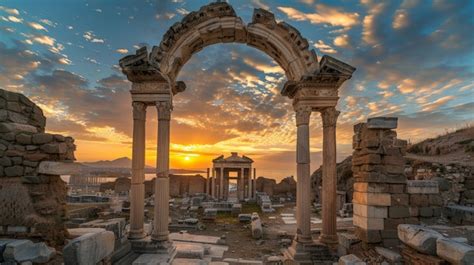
308,253
148,246
328,239
133,235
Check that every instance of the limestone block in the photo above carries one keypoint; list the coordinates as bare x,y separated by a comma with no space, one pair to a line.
374,199
25,250
455,252
426,211
15,128
400,199
370,211
371,187
398,212
368,223
54,148
347,240
382,123
190,251
13,171
422,187
181,261
42,138
151,259
391,255
372,159
419,200
23,138
377,177
89,248
368,236
116,225
419,237
350,259
77,232
58,168
393,160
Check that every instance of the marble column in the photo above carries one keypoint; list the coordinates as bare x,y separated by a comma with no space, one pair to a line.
242,185
303,188
254,186
161,215
221,184
213,183
249,188
137,193
207,182
329,183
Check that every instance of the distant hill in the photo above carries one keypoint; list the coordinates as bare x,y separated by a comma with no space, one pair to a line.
126,163
455,147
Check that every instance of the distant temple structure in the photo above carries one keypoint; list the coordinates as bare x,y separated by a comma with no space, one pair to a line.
218,184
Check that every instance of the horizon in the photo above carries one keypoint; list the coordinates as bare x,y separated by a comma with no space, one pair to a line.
68,65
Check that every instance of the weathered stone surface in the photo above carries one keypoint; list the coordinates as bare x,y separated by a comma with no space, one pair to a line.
370,211
391,255
23,138
189,251
422,187
54,148
42,138
77,232
398,212
350,259
374,199
58,168
6,127
151,259
13,171
89,248
25,250
418,237
455,252
368,223
116,225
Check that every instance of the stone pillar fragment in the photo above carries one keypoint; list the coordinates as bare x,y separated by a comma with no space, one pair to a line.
303,199
254,183
242,185
137,193
161,210
221,184
249,189
207,182
329,192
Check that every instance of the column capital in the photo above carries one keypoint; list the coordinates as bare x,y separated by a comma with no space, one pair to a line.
164,109
303,113
139,110
329,116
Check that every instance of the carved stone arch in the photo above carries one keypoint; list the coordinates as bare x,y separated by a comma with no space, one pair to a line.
218,23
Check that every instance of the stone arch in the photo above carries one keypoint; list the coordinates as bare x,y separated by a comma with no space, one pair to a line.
218,23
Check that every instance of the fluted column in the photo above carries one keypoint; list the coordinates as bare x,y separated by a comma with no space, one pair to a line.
160,232
329,195
207,182
303,189
213,183
221,184
254,186
137,193
249,188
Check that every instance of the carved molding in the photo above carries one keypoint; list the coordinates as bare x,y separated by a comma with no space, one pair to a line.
164,109
329,117
139,110
303,113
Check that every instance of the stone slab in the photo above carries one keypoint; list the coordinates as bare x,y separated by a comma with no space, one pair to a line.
26,251
58,168
152,259
186,237
190,251
240,261
422,186
77,232
89,248
455,252
419,237
382,123
391,255
350,259
368,223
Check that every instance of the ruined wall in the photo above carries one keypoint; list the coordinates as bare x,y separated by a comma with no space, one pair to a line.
271,188
32,195
383,196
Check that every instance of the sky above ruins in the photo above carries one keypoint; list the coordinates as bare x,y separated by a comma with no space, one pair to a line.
414,60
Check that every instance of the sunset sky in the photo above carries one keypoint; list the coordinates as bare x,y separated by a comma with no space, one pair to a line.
414,60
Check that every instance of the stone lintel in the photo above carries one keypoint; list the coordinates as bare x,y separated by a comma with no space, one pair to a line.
422,187
382,123
330,64
151,98
316,104
59,168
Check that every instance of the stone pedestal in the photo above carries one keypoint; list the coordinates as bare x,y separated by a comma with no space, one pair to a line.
149,246
308,254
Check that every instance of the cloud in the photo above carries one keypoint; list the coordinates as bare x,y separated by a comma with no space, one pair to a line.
342,40
44,39
260,4
437,103
91,37
37,26
324,15
15,19
324,48
400,19
11,11
122,51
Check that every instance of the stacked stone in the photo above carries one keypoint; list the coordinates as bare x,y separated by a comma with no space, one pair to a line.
380,202
425,201
32,195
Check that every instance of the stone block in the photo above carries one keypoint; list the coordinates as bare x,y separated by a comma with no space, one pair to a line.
370,211
454,252
23,138
419,200
390,255
5,161
240,261
374,199
399,199
394,169
77,232
392,223
42,138
116,225
422,187
368,223
368,236
58,168
350,259
393,160
389,233
151,259
435,200
54,148
371,187
347,240
418,237
16,128
35,157
398,212
396,188
377,177
426,211
189,251
13,171
382,123
25,250
90,248
414,211
372,159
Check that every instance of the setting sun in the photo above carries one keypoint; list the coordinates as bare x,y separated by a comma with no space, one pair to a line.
187,158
